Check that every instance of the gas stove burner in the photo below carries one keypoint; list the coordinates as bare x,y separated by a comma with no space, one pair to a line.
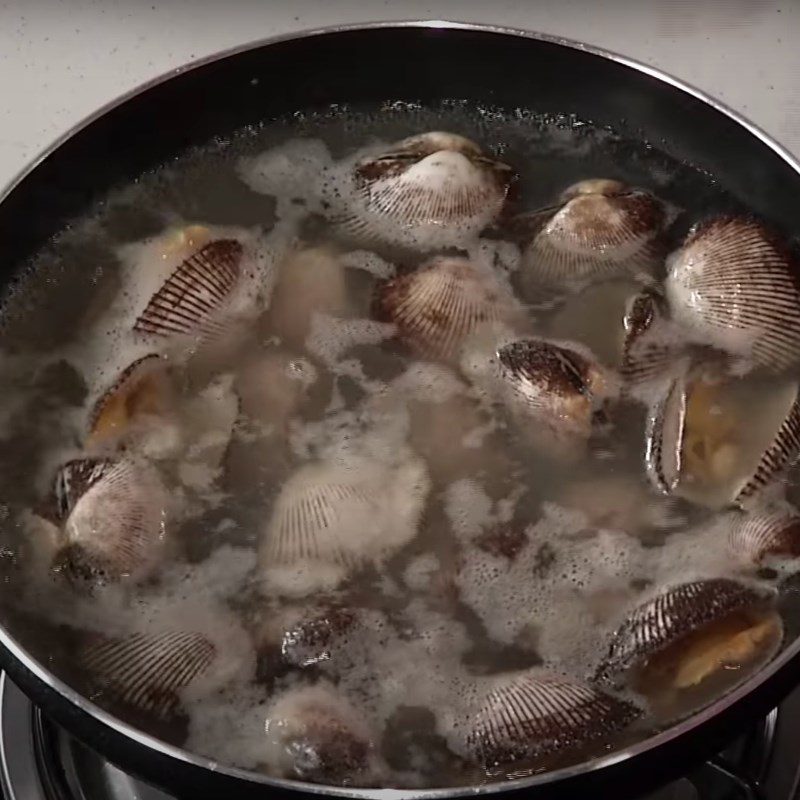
40,761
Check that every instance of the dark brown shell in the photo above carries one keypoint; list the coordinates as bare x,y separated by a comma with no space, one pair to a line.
439,305
673,614
734,285
754,536
531,715
147,671
192,298
778,457
552,385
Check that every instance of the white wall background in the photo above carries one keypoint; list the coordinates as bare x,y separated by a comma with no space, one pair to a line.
61,59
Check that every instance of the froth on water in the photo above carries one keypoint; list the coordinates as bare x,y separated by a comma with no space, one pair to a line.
392,449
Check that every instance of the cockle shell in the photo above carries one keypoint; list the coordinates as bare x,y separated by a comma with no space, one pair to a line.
332,518
114,520
438,306
147,671
734,285
427,191
603,229
315,734
528,715
717,440
658,626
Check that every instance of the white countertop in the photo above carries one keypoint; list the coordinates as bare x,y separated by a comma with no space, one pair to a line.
62,59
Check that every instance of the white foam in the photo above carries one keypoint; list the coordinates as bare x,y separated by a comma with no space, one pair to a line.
289,172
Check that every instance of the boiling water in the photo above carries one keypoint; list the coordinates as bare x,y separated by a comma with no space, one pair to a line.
482,555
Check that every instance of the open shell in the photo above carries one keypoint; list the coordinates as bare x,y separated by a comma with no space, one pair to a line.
442,303
194,299
650,346
426,191
602,230
671,626
719,441
331,518
114,524
147,671
734,285
315,734
142,389
760,534
531,714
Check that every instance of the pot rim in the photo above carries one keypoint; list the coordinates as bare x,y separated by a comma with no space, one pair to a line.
542,779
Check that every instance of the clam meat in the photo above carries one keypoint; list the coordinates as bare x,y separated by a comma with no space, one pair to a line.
719,440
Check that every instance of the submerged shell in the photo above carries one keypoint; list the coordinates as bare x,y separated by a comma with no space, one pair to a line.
556,387
115,527
315,734
308,640
430,190
141,389
757,535
72,481
530,715
702,446
648,350
734,285
330,518
310,281
193,300
603,230
439,305
147,671
667,618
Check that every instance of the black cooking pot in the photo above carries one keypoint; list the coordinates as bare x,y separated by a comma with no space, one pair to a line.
421,62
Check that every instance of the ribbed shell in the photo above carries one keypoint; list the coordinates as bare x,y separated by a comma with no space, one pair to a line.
115,527
596,236
146,671
754,536
665,619
734,285
664,434
438,184
123,400
193,299
457,183
313,521
73,480
779,456
552,384
333,516
443,302
528,716
645,356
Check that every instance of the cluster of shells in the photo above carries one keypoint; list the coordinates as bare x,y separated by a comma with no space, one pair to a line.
709,343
